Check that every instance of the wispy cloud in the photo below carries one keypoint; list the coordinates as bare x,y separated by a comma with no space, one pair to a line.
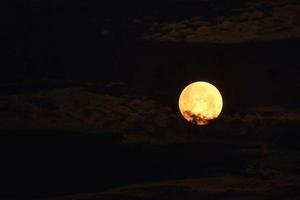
259,20
76,109
137,119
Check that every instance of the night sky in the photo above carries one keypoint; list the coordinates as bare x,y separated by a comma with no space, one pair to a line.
89,99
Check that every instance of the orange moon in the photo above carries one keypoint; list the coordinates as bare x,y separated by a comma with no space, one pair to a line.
200,103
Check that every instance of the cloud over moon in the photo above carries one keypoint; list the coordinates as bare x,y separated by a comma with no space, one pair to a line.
259,20
135,119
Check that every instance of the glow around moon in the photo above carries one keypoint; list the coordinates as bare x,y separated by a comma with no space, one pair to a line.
200,103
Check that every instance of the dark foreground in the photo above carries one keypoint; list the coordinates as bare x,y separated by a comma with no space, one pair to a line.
44,164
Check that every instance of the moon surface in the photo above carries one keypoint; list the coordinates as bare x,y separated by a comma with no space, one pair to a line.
200,103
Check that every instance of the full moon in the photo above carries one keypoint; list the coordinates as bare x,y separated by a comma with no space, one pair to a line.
200,103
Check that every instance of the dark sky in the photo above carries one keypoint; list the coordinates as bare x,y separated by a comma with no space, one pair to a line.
89,95
46,36
245,47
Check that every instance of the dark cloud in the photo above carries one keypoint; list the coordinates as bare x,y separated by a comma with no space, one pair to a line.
76,109
261,123
259,20
263,114
216,184
137,119
197,118
198,188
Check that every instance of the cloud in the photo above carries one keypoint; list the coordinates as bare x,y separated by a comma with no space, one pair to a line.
264,114
136,119
259,20
261,123
76,109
